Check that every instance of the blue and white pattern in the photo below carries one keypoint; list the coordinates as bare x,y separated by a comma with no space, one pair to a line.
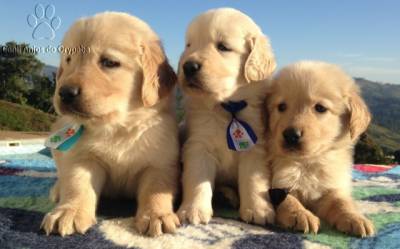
25,181
239,134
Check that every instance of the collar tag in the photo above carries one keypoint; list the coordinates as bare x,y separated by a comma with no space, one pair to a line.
64,138
240,136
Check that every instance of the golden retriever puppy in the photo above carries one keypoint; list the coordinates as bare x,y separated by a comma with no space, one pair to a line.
315,117
115,81
225,65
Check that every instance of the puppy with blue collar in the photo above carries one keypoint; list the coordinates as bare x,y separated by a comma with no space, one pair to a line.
223,72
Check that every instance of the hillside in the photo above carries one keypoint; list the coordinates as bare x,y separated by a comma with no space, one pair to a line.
16,117
383,101
387,139
49,70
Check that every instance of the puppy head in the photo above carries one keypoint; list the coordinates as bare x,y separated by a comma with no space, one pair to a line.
224,50
311,106
111,63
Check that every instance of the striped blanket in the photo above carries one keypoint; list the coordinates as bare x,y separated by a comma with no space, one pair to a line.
25,181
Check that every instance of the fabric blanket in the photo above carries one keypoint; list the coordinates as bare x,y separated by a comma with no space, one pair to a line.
25,181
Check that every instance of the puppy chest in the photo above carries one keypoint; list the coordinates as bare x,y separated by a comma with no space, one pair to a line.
227,168
308,188
118,157
304,185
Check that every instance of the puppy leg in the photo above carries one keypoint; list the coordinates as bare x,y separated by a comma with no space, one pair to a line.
254,182
339,211
291,214
198,183
156,192
78,189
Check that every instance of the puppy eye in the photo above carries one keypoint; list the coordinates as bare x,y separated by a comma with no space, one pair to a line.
320,108
68,59
282,107
188,45
222,47
105,62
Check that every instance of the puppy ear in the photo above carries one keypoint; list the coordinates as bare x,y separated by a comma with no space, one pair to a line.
266,111
261,61
158,76
360,116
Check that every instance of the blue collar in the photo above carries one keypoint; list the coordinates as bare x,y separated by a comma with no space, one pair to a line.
239,135
234,107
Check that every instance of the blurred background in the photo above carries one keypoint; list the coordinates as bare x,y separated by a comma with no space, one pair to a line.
361,36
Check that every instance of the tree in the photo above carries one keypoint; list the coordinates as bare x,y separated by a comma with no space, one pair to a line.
21,79
397,156
367,151
40,96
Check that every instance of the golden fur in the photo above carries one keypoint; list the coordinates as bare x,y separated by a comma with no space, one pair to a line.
318,172
238,74
128,123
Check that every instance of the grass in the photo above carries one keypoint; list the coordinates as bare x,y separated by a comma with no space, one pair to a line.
16,117
384,137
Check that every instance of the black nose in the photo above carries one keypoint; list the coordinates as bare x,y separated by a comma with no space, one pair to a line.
292,136
69,93
190,68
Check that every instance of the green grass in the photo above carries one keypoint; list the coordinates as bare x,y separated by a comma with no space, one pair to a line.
16,117
384,137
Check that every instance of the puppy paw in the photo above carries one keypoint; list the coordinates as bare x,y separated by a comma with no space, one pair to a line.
299,219
259,216
355,224
194,214
154,224
66,220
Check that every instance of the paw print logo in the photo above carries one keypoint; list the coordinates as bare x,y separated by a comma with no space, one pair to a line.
70,132
238,133
44,22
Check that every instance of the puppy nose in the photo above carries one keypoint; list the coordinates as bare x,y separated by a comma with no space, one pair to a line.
190,68
69,93
292,136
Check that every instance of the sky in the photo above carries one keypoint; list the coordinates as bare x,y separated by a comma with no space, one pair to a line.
362,36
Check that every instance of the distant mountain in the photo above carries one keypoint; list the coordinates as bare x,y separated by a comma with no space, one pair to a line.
383,101
49,70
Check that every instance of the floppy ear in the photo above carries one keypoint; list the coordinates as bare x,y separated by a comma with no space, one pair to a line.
261,61
360,116
158,76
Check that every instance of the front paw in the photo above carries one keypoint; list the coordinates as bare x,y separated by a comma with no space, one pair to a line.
67,220
155,224
299,219
257,215
355,224
194,214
